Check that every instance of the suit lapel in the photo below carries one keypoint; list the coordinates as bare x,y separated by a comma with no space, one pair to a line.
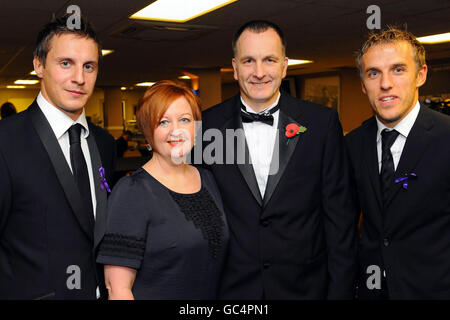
371,159
282,154
100,195
416,143
245,168
62,169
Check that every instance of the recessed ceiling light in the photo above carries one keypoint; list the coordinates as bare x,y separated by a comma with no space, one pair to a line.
145,84
123,88
33,73
226,70
20,81
435,38
294,62
179,10
15,87
105,52
184,77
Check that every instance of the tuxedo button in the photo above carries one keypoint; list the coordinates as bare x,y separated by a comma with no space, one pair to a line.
266,265
386,242
265,222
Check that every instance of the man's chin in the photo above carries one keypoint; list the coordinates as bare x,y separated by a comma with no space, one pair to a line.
72,109
388,119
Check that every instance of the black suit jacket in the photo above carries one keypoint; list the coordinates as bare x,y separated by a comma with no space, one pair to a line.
411,237
298,241
44,229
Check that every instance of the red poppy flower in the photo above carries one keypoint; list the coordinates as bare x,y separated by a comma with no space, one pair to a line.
291,130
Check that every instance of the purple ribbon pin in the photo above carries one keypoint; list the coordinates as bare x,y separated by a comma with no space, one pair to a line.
103,184
405,179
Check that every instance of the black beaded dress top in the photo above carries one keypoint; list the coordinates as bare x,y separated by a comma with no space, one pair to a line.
176,242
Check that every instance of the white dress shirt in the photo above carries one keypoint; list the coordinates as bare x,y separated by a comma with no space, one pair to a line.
260,139
403,127
60,124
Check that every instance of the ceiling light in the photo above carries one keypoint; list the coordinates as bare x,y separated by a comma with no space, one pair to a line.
184,77
15,87
294,62
26,81
145,84
226,70
435,38
105,52
179,10
123,88
33,73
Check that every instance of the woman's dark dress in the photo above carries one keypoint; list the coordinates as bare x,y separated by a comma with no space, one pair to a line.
176,242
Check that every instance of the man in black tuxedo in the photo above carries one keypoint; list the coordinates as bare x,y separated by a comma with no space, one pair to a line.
400,165
52,194
292,224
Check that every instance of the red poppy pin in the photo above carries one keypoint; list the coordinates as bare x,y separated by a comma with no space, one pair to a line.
292,130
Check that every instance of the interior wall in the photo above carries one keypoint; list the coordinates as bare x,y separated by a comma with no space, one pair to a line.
353,107
22,98
438,82
229,89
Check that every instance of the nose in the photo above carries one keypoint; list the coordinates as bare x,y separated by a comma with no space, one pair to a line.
386,81
259,71
174,125
78,76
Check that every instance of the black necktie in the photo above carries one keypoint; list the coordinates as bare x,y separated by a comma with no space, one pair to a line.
79,168
265,117
387,162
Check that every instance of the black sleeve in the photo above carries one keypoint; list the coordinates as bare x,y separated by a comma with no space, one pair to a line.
5,193
126,230
340,215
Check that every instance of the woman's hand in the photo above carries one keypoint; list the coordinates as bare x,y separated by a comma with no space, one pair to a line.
119,281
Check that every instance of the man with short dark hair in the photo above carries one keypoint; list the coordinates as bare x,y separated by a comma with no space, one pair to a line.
54,176
400,167
292,223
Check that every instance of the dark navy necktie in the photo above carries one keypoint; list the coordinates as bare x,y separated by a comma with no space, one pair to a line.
79,168
265,117
387,162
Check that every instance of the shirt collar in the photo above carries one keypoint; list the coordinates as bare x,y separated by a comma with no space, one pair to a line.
404,126
59,121
248,108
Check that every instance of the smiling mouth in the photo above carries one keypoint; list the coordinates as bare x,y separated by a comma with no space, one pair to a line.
76,93
175,142
387,99
259,83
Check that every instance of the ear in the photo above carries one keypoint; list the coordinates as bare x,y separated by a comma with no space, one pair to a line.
286,61
363,87
38,67
233,62
422,76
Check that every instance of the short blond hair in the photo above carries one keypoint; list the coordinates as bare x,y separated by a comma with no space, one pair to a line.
391,35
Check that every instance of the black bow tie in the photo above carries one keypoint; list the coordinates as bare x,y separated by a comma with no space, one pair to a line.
265,117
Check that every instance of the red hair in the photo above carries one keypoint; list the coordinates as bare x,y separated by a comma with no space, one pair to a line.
157,99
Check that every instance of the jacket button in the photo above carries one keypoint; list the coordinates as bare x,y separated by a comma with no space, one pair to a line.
266,265
386,242
265,222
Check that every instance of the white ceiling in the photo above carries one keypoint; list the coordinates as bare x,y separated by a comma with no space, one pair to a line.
328,32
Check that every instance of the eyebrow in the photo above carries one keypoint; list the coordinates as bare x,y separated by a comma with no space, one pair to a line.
270,56
183,114
71,60
395,65
245,58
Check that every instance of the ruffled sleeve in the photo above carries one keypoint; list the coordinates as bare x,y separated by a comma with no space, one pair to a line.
126,231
